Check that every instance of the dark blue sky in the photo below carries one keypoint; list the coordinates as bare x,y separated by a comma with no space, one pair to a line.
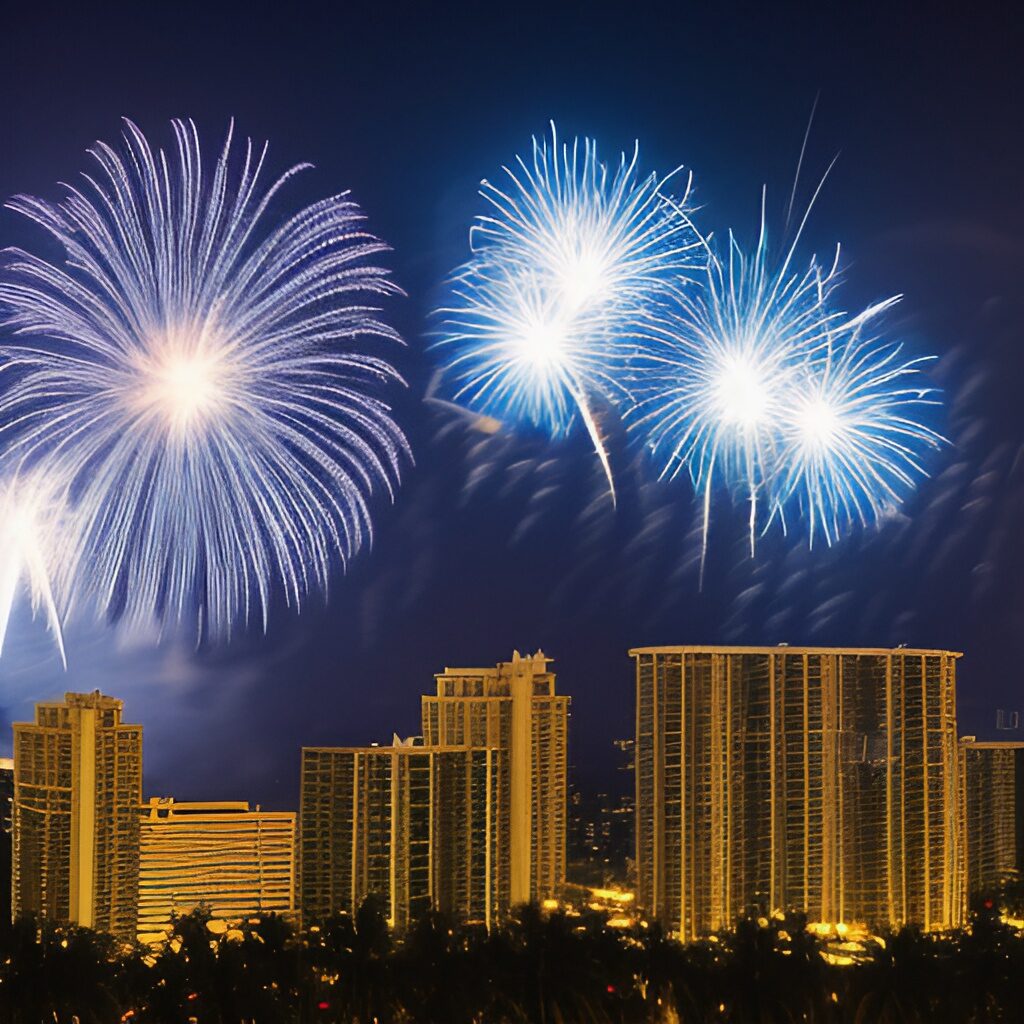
409,106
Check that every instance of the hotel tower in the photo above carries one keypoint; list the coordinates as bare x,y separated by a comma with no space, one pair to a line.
415,826
470,820
514,708
823,780
77,790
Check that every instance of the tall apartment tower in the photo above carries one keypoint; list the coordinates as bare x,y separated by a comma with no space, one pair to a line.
416,826
993,788
234,861
823,780
514,707
77,790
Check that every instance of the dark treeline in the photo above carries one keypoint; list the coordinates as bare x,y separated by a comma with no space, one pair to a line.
541,969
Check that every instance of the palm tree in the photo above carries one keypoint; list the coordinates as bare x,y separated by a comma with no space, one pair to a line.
58,973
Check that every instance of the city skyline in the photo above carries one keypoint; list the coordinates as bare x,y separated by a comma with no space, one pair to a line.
832,782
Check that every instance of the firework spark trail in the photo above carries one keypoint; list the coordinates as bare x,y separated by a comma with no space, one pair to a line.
757,380
542,319
27,555
193,376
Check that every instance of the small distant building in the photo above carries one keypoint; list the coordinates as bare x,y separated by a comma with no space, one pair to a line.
77,790
235,862
416,826
993,787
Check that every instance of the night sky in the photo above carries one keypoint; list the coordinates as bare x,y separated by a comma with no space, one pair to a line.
506,542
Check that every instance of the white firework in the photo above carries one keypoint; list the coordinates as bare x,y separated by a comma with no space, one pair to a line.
29,538
200,381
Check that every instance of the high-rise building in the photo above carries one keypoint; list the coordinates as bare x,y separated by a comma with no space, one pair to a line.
514,708
235,862
823,780
6,829
416,826
993,788
77,790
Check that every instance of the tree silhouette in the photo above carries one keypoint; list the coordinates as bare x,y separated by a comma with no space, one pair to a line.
559,968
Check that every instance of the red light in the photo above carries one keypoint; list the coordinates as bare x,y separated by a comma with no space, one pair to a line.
989,904
324,1005
192,995
610,990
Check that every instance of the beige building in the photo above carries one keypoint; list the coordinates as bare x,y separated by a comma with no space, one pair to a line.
993,787
235,862
77,790
416,826
514,708
823,780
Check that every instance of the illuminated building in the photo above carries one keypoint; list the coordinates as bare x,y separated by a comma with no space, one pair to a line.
993,786
233,861
416,826
514,708
6,811
77,790
823,780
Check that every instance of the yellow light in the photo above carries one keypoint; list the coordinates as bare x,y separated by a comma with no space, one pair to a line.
613,895
550,904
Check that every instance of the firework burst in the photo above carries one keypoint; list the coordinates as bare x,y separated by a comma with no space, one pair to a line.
542,320
197,381
756,380
28,554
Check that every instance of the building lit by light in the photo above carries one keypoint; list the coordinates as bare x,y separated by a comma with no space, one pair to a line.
77,790
6,834
823,780
514,708
993,787
234,862
418,827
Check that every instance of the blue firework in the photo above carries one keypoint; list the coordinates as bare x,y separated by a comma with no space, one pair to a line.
542,319
758,382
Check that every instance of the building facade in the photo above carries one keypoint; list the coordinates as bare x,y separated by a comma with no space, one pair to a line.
823,780
418,827
6,835
993,790
77,790
235,862
514,708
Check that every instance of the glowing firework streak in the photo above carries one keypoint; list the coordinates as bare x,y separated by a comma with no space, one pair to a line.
196,379
756,380
26,556
542,319
851,442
